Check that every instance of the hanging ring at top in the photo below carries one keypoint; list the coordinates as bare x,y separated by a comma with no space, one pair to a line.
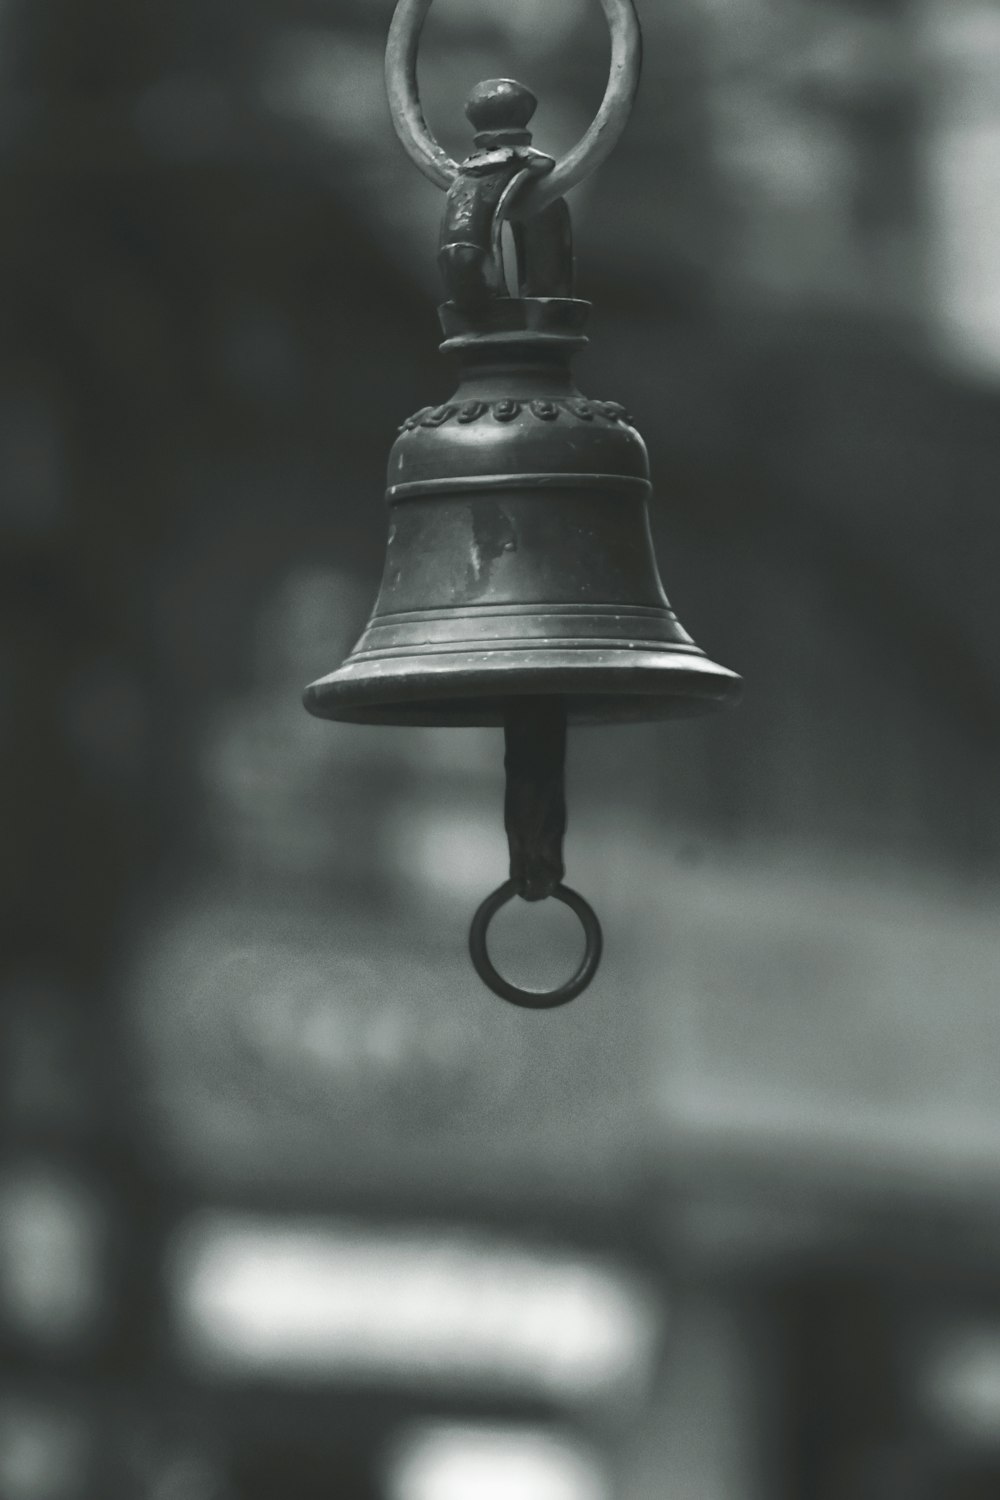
589,152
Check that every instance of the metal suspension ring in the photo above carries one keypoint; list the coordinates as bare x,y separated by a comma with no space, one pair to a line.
535,999
590,151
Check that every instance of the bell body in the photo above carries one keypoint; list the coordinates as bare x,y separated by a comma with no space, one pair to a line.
519,559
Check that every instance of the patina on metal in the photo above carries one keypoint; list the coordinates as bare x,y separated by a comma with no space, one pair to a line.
520,585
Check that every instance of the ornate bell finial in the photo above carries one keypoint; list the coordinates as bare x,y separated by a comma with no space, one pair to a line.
520,586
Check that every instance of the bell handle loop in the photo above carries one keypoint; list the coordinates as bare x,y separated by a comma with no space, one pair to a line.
535,999
594,146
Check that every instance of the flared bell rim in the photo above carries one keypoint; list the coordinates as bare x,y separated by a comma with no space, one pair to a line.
464,689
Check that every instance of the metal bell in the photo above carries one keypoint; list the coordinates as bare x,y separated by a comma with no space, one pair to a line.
520,585
519,560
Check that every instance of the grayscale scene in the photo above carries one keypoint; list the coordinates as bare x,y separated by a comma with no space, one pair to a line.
560,1058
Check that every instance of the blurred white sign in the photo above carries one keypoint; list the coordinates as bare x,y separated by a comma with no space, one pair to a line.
432,1308
492,1463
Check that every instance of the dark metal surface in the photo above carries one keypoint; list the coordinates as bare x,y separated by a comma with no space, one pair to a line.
535,820
520,586
480,198
519,559
535,804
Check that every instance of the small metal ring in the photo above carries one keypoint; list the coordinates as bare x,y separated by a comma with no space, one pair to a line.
590,151
535,999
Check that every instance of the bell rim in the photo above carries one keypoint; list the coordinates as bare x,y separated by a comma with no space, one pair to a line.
472,688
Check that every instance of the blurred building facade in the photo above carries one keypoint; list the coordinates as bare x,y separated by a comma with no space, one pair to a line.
288,1205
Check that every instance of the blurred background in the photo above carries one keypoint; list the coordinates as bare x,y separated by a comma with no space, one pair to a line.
289,1205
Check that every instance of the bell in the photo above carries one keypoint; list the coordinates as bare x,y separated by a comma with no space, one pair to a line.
520,585
519,561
